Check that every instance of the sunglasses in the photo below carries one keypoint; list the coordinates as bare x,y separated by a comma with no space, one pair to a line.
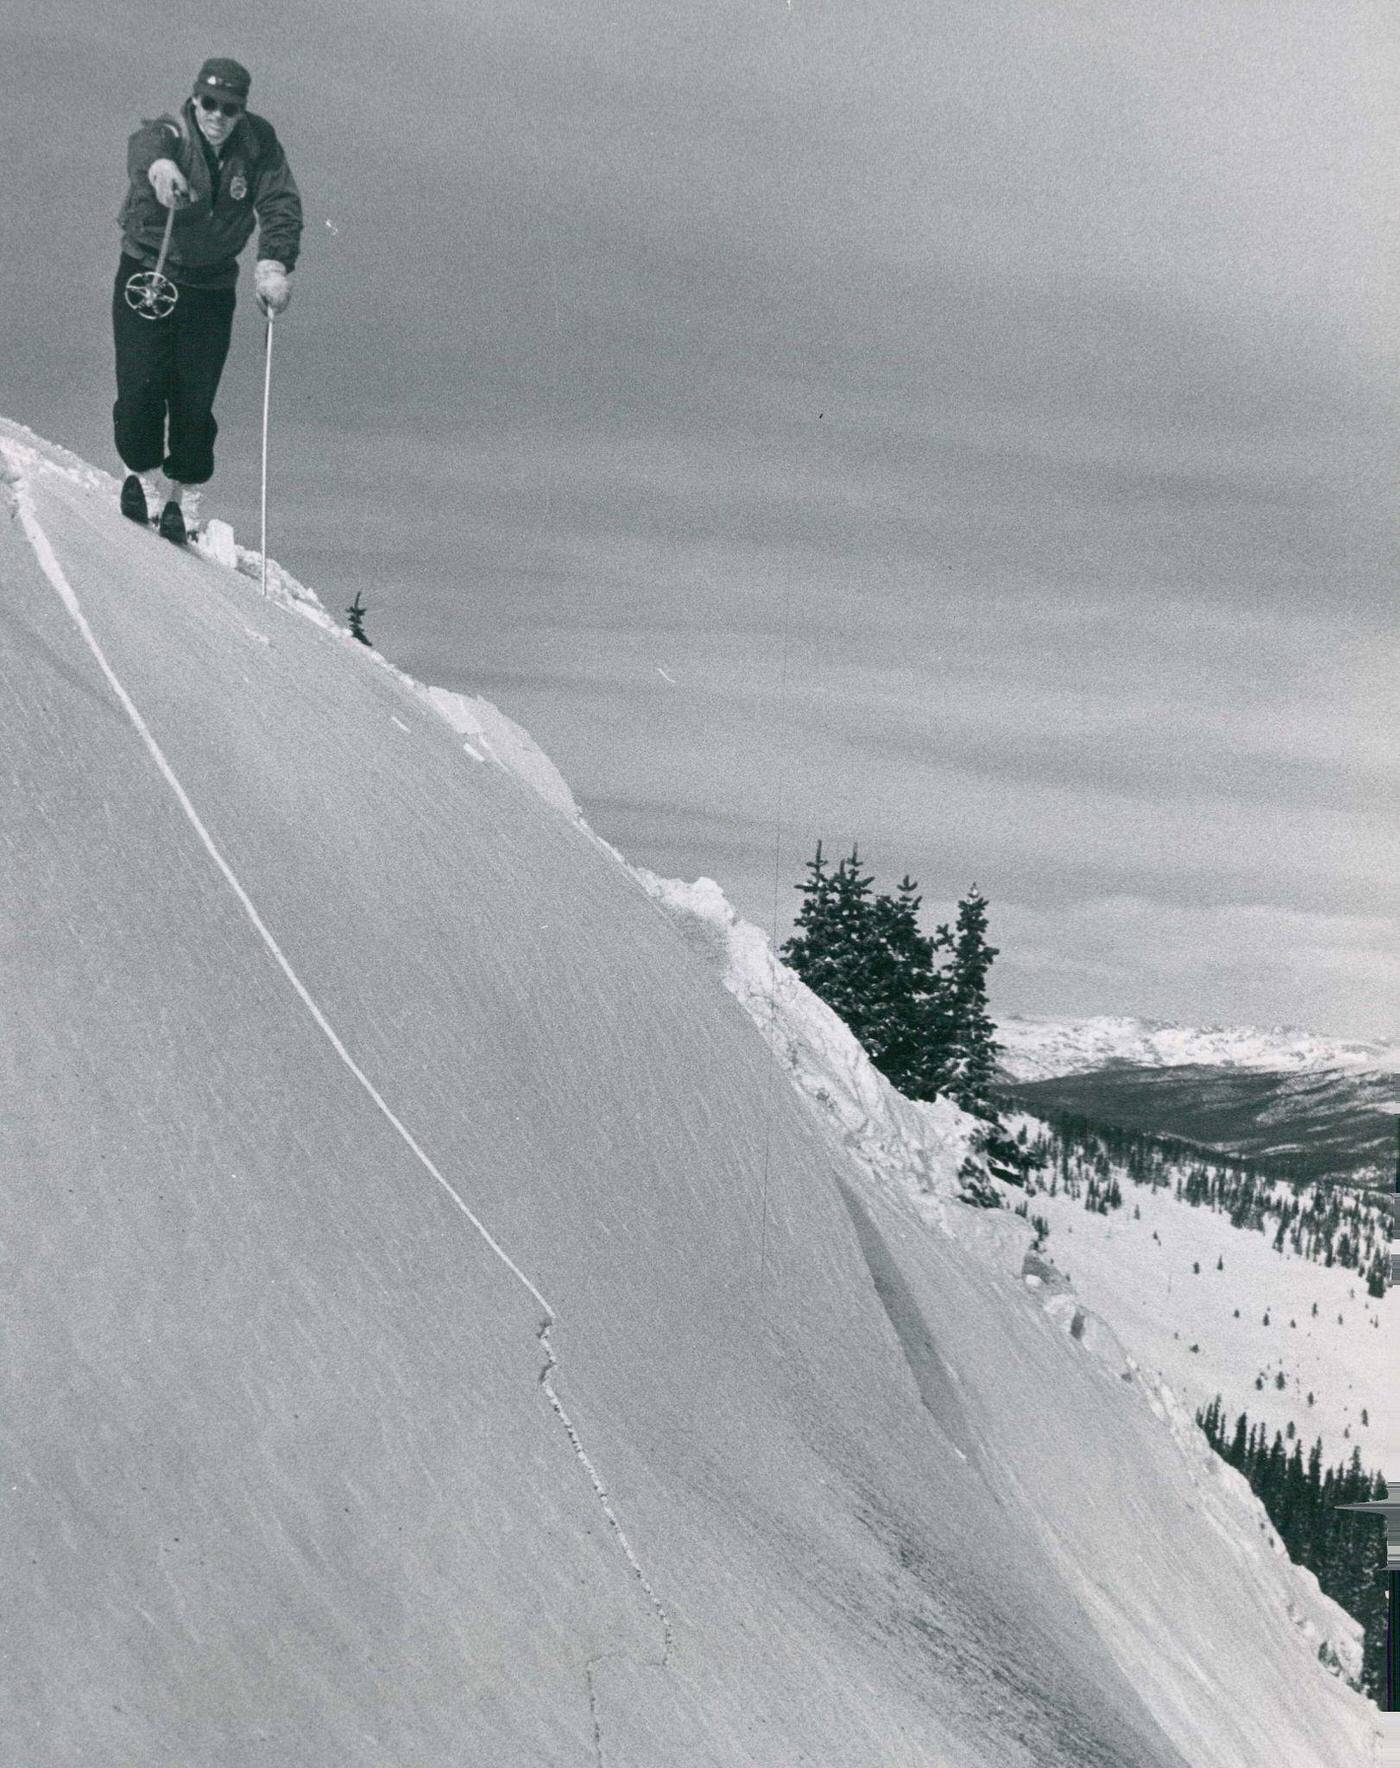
233,107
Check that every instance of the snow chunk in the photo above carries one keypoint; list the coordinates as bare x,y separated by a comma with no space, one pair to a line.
216,543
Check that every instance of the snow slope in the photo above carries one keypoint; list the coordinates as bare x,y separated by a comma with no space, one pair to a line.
1037,1049
442,1327
1204,1332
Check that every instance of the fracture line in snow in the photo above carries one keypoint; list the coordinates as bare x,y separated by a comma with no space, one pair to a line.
551,1363
593,1712
48,563
54,572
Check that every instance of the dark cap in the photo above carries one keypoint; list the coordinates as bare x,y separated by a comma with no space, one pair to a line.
220,74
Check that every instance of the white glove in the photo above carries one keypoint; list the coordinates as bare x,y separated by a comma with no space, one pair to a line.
272,283
168,182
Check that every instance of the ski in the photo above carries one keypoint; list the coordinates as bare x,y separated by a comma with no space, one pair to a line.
172,524
133,500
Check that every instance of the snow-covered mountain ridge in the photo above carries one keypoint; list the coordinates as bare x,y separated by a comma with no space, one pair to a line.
341,1052
1042,1048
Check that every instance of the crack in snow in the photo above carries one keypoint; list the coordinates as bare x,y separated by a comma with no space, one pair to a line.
593,1712
547,1383
18,488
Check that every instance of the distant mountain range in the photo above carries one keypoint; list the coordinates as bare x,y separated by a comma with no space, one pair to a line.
1314,1107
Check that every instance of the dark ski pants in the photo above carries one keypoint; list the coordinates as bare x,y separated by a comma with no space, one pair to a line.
168,369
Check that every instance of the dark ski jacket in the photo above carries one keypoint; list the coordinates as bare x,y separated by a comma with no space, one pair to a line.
249,178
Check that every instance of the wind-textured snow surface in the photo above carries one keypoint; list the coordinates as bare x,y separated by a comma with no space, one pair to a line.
442,1328
1037,1049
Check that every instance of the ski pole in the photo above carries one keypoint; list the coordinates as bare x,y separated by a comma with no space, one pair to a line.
267,401
150,292
164,243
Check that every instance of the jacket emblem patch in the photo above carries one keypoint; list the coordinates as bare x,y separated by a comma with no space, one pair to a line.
238,187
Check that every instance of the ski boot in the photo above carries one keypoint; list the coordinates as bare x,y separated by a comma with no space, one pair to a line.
133,500
180,518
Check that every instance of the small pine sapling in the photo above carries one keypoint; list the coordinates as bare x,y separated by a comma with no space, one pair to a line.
355,613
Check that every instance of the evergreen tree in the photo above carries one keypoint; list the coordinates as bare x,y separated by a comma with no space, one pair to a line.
810,947
869,960
841,949
909,1006
356,613
923,1023
972,1041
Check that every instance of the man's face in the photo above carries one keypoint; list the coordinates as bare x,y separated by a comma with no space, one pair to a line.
214,125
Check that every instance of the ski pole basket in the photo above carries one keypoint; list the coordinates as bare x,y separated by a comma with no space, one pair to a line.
150,292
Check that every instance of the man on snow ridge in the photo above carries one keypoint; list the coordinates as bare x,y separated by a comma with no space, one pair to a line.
218,167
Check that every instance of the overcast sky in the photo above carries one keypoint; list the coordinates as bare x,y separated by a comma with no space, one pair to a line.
966,428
